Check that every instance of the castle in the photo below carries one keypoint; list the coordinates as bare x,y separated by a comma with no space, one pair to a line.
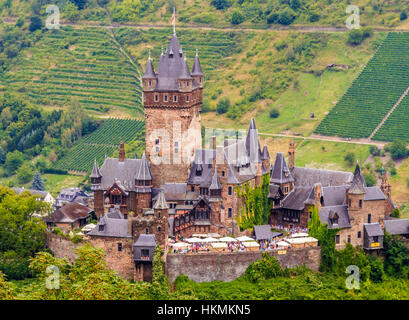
180,188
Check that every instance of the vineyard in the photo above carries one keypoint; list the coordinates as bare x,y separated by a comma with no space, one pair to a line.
373,94
102,143
80,63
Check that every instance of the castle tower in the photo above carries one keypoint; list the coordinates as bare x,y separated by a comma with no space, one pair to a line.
143,186
172,99
96,178
356,193
291,155
161,210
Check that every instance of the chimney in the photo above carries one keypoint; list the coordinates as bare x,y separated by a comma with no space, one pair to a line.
213,143
121,152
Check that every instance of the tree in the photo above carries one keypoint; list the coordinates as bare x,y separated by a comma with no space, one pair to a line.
398,150
79,3
396,256
220,4
35,24
237,17
286,16
355,37
274,113
6,290
403,15
37,182
350,158
223,105
160,282
369,179
24,174
71,12
13,161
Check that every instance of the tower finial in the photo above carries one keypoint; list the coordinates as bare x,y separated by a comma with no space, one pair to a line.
173,21
149,54
197,52
161,51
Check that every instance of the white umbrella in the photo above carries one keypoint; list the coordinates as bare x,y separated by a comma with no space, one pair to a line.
193,240
228,239
299,235
244,238
283,244
250,244
179,245
210,239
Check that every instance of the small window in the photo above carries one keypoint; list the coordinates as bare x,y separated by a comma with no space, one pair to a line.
337,239
145,253
159,229
157,141
119,246
187,98
165,98
156,97
359,234
369,218
349,239
223,173
159,214
150,83
229,214
375,239
147,230
349,203
230,191
360,203
192,188
285,189
175,98
101,227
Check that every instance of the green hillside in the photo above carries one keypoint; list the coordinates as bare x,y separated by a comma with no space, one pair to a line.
102,143
373,93
77,63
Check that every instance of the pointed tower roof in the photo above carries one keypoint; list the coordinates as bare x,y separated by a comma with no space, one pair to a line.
185,74
252,143
161,203
149,71
215,185
280,172
265,154
144,172
358,182
95,171
197,69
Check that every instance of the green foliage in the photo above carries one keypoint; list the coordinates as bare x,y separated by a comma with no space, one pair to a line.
223,105
35,23
398,150
24,174
6,289
353,256
377,272
274,113
13,161
350,158
220,4
370,179
395,213
403,15
263,269
160,282
396,262
256,209
355,37
237,17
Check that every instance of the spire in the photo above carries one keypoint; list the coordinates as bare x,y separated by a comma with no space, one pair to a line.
280,172
121,152
185,74
197,69
161,203
144,172
252,143
265,155
95,171
215,185
149,71
358,182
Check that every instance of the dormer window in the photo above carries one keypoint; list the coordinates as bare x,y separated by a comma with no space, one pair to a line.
101,228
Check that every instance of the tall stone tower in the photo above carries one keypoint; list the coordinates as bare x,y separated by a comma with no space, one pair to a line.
172,98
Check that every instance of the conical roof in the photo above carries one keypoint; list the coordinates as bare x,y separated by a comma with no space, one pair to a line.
215,185
252,143
280,172
185,74
161,203
265,154
358,182
144,172
95,171
149,71
197,69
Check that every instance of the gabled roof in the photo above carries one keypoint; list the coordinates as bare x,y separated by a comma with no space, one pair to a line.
112,227
374,193
70,212
38,193
280,172
334,196
145,240
298,198
397,226
95,171
264,232
358,182
373,229
309,177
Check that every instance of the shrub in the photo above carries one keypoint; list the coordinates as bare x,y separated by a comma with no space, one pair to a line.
274,113
395,213
286,16
223,105
35,24
398,150
370,179
263,269
367,32
237,17
403,15
220,4
350,158
355,37
375,151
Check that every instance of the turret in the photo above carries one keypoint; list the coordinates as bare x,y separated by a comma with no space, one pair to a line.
197,73
95,176
185,80
356,192
149,78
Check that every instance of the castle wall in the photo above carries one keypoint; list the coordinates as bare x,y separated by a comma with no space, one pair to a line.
229,266
62,247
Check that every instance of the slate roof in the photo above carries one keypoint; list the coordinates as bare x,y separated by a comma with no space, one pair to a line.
161,203
265,155
144,172
275,192
397,226
41,194
309,177
113,227
215,185
373,229
203,160
145,240
174,191
334,196
263,232
298,198
343,216
70,212
358,184
374,193
280,172
252,142
149,70
197,69
125,172
95,171
115,213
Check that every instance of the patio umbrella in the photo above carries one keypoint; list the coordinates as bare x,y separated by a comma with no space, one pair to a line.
210,239
179,245
227,239
244,238
283,244
193,240
299,235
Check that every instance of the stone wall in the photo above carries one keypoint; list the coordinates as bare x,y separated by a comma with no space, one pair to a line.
62,247
229,266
